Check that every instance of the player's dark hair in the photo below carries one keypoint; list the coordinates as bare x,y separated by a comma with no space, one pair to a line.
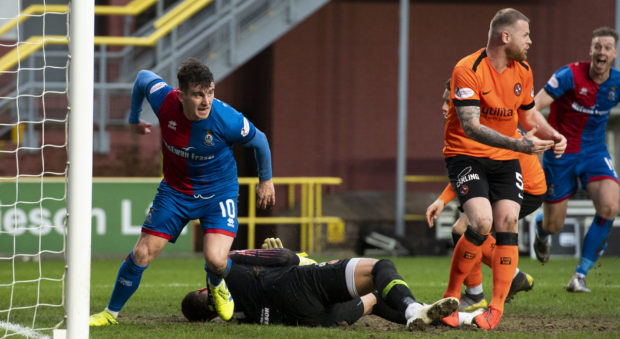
193,71
605,31
506,17
195,306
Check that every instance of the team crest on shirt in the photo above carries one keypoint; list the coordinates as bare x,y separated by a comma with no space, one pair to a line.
612,94
518,89
583,91
209,138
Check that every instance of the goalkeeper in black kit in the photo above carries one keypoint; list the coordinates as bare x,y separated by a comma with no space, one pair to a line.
278,286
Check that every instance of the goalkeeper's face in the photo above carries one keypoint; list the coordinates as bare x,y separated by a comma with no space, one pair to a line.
197,306
197,100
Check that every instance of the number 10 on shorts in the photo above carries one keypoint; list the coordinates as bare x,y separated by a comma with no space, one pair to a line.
228,211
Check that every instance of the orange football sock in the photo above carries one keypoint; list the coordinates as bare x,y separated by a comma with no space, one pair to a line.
504,264
465,257
475,276
487,248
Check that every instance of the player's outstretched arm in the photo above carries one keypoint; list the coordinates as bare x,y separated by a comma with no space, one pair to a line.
469,116
265,257
532,118
542,101
559,141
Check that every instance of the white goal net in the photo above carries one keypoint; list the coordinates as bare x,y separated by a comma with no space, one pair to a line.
37,98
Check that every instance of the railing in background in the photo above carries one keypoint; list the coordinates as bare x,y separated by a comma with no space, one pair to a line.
120,204
311,209
422,179
163,26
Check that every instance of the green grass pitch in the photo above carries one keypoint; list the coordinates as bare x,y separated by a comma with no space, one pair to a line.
154,310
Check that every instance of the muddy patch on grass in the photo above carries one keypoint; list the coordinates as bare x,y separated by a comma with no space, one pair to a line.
553,324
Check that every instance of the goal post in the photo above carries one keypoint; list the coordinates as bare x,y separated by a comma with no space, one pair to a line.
46,151
80,155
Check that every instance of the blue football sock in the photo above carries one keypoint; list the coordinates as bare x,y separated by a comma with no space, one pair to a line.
539,230
213,278
127,282
594,243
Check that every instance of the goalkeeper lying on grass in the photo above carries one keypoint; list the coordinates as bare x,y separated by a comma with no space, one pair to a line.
277,286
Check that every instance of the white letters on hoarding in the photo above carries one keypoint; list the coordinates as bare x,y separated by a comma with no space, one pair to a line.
126,226
99,220
41,221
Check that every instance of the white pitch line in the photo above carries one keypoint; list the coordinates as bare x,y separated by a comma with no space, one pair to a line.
25,331
150,285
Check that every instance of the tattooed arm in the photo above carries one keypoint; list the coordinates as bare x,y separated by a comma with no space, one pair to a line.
469,117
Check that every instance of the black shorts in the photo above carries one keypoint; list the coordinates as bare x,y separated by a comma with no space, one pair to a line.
305,294
530,204
495,180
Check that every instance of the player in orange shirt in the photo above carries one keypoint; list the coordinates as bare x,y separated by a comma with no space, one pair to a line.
492,92
534,188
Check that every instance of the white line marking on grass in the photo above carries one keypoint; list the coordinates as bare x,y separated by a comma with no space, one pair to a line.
25,331
149,285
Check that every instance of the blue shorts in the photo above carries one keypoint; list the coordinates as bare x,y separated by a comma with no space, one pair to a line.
172,210
562,174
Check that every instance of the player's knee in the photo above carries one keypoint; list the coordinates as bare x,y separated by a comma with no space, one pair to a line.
460,226
482,224
553,227
216,265
141,255
383,265
507,223
608,209
383,273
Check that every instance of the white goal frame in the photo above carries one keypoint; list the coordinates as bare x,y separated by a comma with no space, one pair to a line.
80,157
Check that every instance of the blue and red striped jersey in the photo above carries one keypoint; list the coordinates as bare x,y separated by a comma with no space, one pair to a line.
197,155
581,107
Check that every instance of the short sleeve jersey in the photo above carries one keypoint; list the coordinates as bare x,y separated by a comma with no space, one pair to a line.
581,107
499,95
197,155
